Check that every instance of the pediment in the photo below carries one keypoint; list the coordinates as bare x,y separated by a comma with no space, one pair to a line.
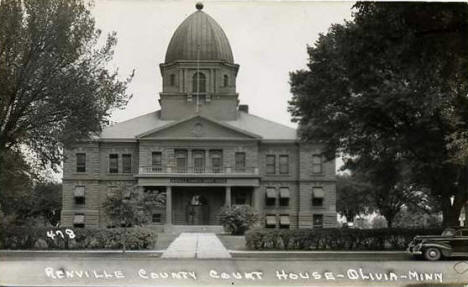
198,127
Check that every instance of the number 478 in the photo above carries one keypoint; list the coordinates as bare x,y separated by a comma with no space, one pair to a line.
51,233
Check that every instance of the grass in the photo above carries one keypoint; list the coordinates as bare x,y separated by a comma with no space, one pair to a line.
233,242
164,239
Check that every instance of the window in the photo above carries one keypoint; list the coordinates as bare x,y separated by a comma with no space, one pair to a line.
156,218
285,222
113,163
317,163
270,196
317,196
284,196
216,160
284,164
181,160
198,157
172,80
318,220
270,221
80,162
199,83
127,163
225,80
79,220
270,164
156,161
240,161
79,195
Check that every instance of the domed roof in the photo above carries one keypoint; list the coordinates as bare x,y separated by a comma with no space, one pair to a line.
199,37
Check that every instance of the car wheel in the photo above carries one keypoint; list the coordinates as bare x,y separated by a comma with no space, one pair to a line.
432,254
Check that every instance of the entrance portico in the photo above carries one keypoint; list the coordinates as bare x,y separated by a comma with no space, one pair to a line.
197,201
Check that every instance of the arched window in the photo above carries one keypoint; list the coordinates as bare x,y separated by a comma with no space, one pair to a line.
172,80
199,83
226,80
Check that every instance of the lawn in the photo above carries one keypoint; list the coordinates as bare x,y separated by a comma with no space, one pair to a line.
233,242
164,239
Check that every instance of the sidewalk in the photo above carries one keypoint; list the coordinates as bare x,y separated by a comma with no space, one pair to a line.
196,245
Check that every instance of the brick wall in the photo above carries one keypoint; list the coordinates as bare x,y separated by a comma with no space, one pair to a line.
300,180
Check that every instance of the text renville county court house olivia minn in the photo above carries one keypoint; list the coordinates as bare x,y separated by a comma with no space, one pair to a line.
202,149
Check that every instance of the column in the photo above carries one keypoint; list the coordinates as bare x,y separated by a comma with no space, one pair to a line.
228,196
168,205
258,199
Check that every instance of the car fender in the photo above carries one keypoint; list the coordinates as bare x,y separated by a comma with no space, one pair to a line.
446,249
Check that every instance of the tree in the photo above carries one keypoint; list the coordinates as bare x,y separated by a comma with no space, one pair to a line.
126,207
393,80
55,87
47,197
416,218
17,183
24,196
237,219
352,197
386,182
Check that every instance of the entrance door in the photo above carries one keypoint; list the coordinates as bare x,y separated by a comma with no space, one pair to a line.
197,211
197,205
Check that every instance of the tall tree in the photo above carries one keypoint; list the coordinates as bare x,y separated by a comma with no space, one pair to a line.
55,86
16,183
393,80
386,183
47,197
352,197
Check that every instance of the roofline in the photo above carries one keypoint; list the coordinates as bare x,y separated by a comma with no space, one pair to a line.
255,136
197,139
268,120
280,141
116,140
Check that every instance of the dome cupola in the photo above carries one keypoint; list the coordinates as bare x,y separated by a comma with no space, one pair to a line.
199,37
199,73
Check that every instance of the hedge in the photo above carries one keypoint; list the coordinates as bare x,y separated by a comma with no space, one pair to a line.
85,238
334,238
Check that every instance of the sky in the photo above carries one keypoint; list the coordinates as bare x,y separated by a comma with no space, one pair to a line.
268,38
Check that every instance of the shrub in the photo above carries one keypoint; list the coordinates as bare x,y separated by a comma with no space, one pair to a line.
334,238
85,238
238,218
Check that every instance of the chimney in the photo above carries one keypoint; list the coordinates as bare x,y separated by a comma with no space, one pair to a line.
244,108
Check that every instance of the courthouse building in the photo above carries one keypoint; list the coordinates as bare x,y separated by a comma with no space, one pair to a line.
202,149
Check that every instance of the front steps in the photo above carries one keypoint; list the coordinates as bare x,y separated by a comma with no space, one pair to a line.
177,229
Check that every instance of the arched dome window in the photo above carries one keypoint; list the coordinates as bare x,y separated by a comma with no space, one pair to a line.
199,83
172,80
226,80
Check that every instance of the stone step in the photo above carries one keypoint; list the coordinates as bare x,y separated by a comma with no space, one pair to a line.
177,229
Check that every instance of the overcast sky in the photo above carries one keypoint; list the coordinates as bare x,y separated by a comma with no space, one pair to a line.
268,40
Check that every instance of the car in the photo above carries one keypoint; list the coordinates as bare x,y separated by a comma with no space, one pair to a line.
452,242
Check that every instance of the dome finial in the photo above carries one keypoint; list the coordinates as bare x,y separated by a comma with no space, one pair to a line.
199,6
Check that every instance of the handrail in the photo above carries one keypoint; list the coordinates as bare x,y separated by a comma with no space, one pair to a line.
196,170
